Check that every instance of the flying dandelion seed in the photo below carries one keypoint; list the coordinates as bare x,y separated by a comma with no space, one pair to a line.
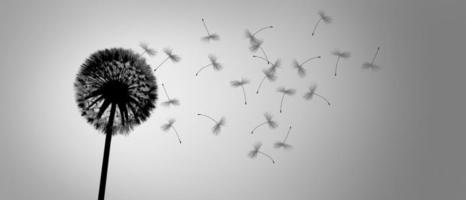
241,84
254,42
256,151
283,144
372,64
170,101
340,54
210,36
266,58
213,62
322,17
269,74
146,50
312,92
170,56
218,124
284,92
170,125
268,121
115,91
299,66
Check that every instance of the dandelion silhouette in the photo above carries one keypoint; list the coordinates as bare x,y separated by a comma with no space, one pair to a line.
115,91
322,17
284,92
283,144
241,84
340,54
253,40
299,66
170,56
147,50
268,120
218,124
169,125
213,62
170,101
312,92
269,74
256,151
372,64
210,36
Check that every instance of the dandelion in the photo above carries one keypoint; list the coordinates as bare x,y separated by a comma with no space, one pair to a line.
372,64
268,121
283,144
115,91
340,54
322,17
253,40
241,84
169,125
170,101
269,74
284,92
146,49
256,150
312,92
213,62
210,36
299,66
218,124
170,56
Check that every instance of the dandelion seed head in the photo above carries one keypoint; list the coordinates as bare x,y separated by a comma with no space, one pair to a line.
145,48
253,153
327,19
311,92
270,122
168,125
242,82
371,66
170,102
283,145
120,78
341,54
217,127
286,91
173,57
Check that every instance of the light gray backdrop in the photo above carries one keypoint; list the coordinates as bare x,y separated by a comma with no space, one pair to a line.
393,134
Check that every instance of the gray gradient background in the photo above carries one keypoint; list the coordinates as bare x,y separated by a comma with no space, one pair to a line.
394,134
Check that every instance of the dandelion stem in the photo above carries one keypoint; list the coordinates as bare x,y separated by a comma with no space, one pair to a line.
165,91
281,102
205,26
375,55
309,60
254,56
323,98
177,135
215,121
202,68
244,94
108,141
165,60
265,55
288,133
254,129
261,29
315,27
336,65
268,156
260,85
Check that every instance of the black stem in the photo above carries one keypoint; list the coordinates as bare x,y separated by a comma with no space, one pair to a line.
315,27
281,102
288,133
268,156
265,55
165,91
323,98
260,85
108,141
254,129
208,117
205,26
309,60
202,68
336,65
375,55
244,94
261,29
161,64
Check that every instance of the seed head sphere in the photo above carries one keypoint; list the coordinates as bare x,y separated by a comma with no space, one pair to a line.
115,79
